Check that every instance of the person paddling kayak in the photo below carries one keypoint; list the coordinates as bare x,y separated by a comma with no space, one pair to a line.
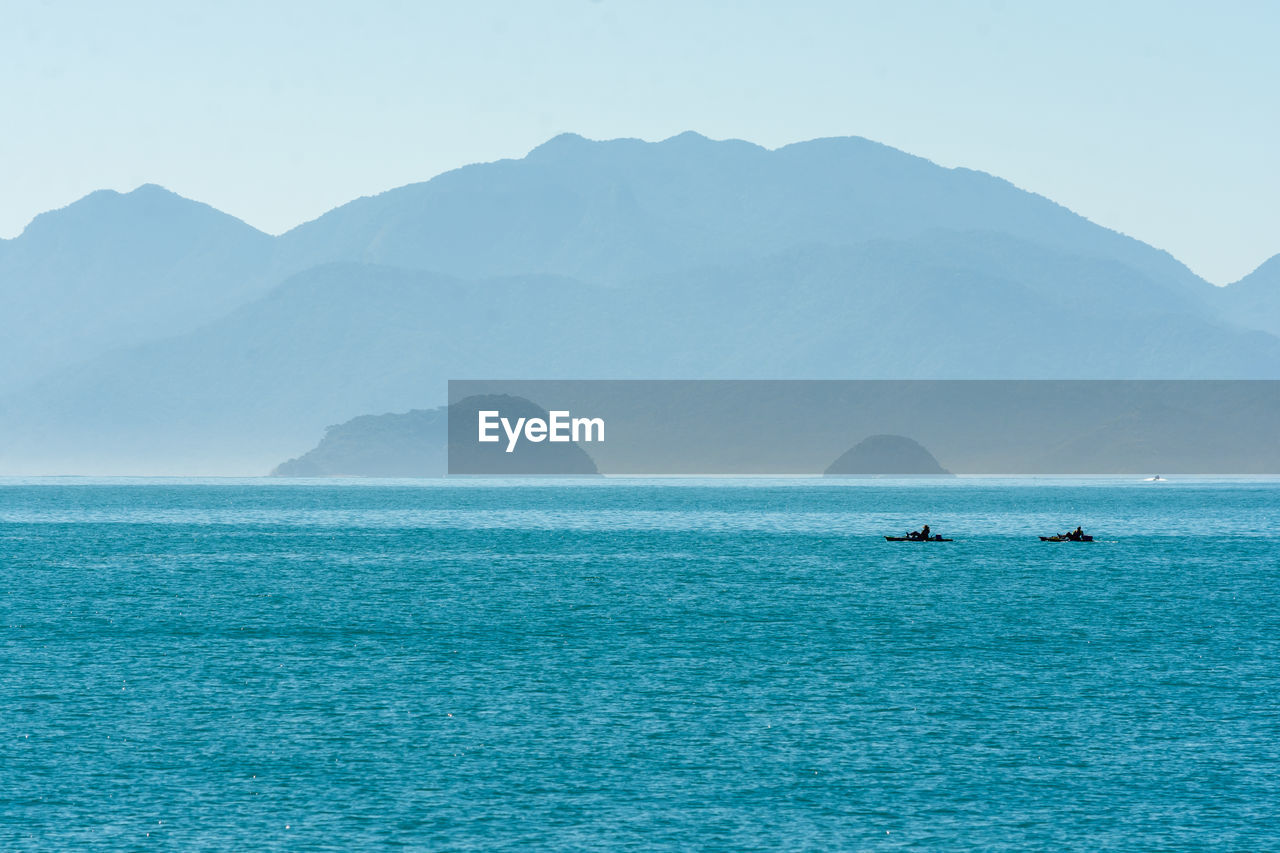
1077,535
921,535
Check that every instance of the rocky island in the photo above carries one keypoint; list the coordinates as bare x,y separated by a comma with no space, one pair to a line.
417,444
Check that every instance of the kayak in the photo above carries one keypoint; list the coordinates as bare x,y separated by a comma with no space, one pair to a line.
1065,539
908,539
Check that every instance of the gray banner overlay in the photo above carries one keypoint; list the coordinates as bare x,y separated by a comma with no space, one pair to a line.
862,428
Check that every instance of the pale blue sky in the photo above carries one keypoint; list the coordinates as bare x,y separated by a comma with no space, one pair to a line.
1158,119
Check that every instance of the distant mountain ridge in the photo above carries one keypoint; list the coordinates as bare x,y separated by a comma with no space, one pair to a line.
1254,300
117,269
621,209
155,333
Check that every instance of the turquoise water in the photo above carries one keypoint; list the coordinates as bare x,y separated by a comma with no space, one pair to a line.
639,665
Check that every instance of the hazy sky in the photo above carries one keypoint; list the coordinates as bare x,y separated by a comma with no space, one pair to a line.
1158,119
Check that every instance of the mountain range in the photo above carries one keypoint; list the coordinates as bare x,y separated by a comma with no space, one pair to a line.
147,333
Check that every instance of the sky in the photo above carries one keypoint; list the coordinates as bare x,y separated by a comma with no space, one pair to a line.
1158,119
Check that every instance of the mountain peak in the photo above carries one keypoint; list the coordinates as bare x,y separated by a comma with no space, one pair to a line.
145,191
574,145
110,211
686,138
860,146
561,143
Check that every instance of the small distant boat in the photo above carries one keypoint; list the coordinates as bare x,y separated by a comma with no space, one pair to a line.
911,539
1085,538
1156,479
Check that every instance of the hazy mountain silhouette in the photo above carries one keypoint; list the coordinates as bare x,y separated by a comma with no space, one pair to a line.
945,305
621,209
113,270
166,336
258,385
344,339
1255,299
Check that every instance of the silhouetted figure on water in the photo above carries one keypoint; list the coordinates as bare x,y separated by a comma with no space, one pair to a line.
920,535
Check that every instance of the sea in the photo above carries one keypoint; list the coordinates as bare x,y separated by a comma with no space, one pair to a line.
639,665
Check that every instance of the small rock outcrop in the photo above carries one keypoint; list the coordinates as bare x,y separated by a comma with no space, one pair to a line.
886,456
